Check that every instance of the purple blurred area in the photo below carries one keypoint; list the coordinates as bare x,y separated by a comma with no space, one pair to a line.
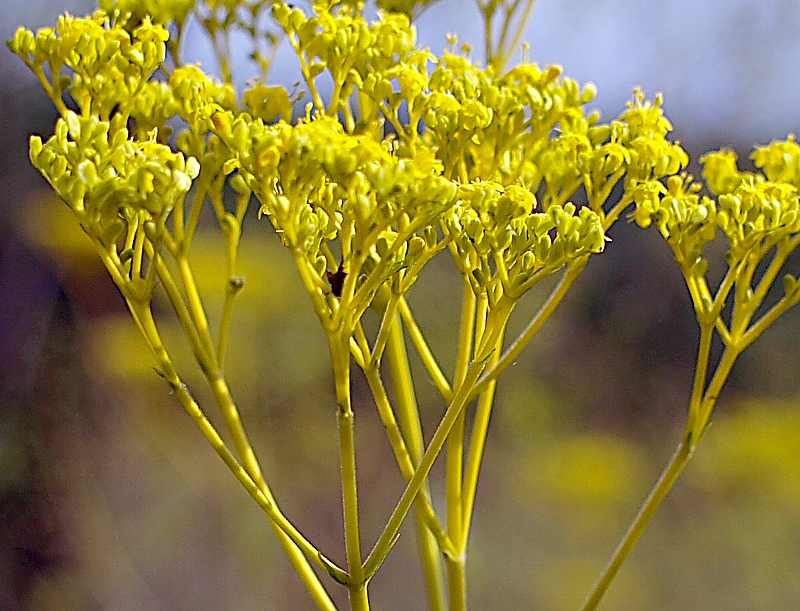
110,500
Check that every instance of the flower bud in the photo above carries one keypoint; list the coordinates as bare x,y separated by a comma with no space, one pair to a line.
416,246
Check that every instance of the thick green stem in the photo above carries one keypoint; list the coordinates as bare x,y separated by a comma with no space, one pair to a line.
429,556
456,565
457,583
359,601
339,345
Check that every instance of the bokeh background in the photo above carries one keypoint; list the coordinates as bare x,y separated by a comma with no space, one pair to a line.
110,500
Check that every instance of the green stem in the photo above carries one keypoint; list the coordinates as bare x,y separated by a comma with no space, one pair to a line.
197,311
390,531
657,495
243,447
613,214
459,401
431,566
408,414
181,311
480,430
184,232
293,542
457,583
400,372
725,287
306,72
699,415
222,394
700,376
310,281
488,36
138,254
225,320
526,15
359,601
359,348
222,51
231,232
454,472
233,422
339,344
536,323
424,351
455,442
52,93
402,455
721,374
387,322
758,327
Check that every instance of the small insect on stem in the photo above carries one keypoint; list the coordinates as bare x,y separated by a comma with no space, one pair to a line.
336,280
235,284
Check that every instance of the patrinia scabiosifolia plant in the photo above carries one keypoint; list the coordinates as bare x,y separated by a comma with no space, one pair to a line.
400,156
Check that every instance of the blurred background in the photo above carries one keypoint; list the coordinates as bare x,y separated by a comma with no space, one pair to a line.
110,499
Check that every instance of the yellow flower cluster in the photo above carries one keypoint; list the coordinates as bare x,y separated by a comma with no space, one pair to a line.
110,181
503,248
104,174
109,64
320,185
411,154
754,211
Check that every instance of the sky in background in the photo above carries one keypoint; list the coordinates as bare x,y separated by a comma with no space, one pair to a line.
729,69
